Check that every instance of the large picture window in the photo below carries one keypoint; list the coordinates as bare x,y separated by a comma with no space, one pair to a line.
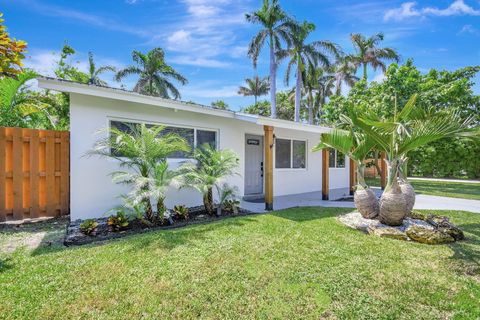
194,137
290,154
336,159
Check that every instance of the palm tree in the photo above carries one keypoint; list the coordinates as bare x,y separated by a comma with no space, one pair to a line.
356,146
409,129
139,150
369,54
212,167
154,74
318,85
277,26
94,73
255,87
302,55
344,72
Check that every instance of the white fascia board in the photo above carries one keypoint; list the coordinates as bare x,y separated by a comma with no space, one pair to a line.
118,94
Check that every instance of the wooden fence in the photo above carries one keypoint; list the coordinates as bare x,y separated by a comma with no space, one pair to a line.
34,173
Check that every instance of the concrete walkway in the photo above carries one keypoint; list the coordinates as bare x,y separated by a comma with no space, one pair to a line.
444,180
313,199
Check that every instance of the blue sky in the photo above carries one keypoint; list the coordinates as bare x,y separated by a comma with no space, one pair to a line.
206,40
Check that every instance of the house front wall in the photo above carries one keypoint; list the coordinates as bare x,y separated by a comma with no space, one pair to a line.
93,193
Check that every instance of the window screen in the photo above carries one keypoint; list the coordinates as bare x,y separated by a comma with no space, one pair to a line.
209,137
299,154
283,154
331,158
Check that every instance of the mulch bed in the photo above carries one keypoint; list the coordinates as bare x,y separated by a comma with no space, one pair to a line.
197,215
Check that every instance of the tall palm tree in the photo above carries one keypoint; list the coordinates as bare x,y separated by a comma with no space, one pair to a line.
368,53
255,87
94,73
303,55
154,74
276,26
344,72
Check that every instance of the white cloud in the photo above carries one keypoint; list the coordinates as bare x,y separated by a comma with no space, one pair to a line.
405,11
409,10
379,78
179,37
469,29
203,10
199,62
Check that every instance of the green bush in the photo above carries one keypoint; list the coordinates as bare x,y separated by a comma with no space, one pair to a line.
88,226
118,221
180,212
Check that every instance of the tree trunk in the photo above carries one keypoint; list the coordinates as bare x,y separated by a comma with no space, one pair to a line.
273,75
406,187
298,91
149,215
365,71
364,198
255,97
208,201
393,206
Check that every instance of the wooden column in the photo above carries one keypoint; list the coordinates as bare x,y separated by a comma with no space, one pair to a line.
268,166
353,177
383,168
325,173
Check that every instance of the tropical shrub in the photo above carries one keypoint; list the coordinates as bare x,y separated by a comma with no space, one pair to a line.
118,221
227,196
212,167
180,212
12,52
89,226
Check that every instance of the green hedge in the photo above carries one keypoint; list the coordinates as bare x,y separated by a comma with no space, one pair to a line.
449,158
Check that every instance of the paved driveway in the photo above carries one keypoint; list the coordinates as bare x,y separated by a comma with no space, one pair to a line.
313,199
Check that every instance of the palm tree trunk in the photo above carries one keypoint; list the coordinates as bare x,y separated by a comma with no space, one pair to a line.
273,75
208,201
255,97
365,71
298,91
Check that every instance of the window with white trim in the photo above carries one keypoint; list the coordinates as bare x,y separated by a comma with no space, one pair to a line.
290,154
193,136
336,159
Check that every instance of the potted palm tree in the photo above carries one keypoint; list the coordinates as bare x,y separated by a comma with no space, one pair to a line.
210,170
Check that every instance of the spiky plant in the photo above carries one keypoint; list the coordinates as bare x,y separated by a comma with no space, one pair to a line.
142,151
276,27
155,75
212,168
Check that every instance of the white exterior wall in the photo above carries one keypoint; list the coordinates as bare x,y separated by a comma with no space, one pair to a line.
93,193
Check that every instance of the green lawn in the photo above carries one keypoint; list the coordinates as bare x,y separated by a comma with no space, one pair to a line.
440,188
299,263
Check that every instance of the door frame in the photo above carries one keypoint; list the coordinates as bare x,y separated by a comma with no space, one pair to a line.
262,138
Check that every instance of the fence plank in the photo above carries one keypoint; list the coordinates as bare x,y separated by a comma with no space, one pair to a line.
64,173
3,181
17,173
34,174
50,172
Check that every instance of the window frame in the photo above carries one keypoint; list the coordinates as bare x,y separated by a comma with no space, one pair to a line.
336,160
291,154
195,129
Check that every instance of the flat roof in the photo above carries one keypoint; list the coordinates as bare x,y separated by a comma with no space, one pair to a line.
131,96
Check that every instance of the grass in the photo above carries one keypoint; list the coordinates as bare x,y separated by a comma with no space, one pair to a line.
462,190
297,263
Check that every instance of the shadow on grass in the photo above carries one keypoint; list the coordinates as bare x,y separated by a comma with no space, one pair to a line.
304,214
5,265
467,252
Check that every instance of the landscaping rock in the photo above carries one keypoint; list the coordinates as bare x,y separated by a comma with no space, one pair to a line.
388,232
428,236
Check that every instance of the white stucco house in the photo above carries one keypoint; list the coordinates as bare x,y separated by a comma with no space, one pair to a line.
296,169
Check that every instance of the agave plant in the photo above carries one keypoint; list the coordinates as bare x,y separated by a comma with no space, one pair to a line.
356,145
212,168
142,151
407,130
